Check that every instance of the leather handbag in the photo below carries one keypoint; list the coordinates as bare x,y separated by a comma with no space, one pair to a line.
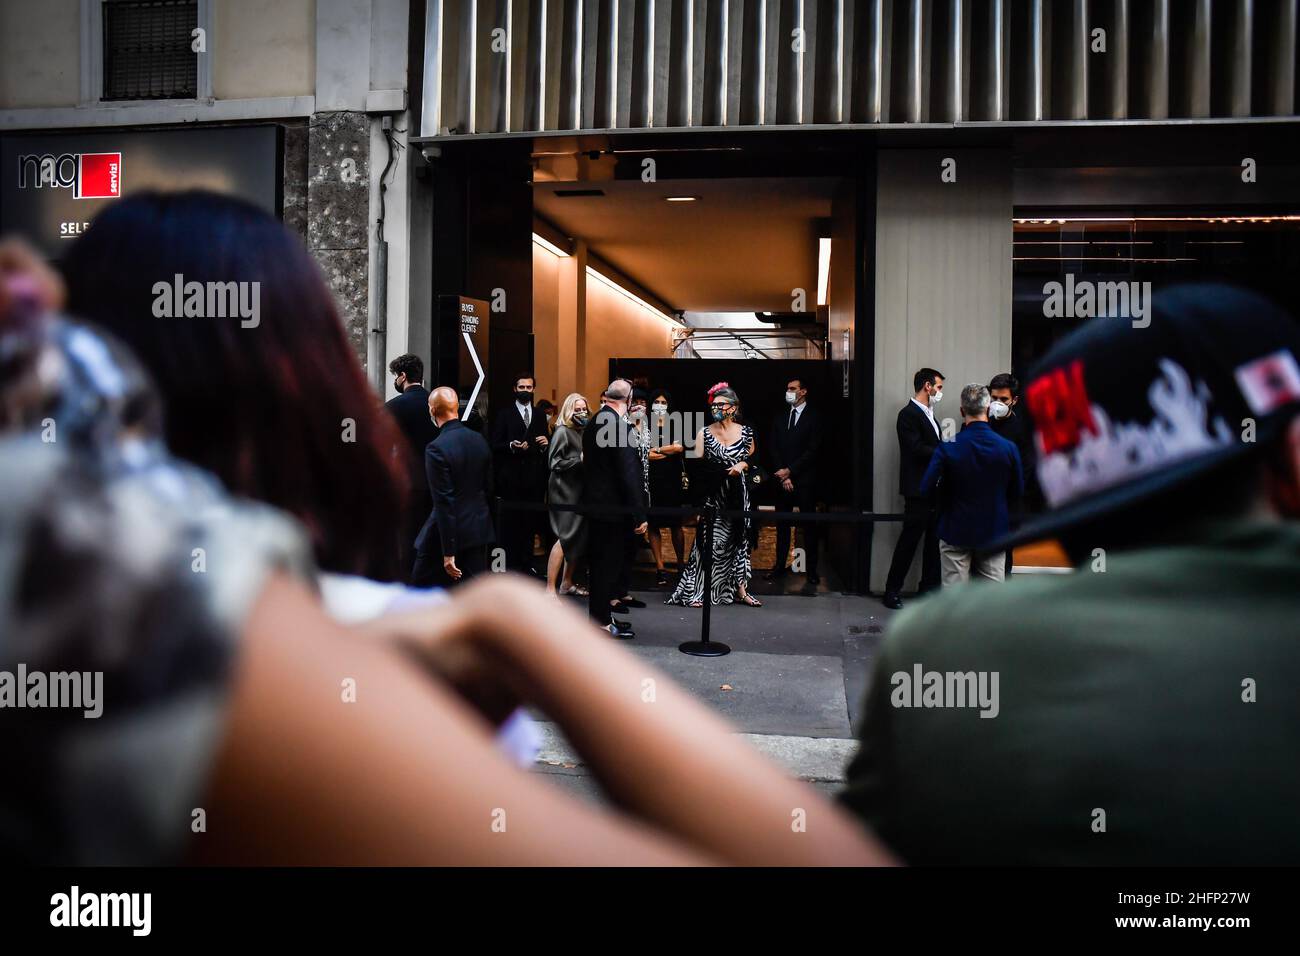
757,477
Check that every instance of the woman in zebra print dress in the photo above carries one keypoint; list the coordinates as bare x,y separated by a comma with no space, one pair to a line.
731,445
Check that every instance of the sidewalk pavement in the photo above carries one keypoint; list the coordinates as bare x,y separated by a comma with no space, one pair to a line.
792,685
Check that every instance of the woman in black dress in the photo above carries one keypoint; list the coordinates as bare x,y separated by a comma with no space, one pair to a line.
667,484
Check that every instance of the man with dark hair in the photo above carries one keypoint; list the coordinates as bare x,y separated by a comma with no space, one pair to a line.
796,445
612,482
1141,708
519,440
410,409
918,437
1006,422
1007,383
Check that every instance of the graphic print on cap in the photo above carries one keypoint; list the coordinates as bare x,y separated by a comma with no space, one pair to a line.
1082,451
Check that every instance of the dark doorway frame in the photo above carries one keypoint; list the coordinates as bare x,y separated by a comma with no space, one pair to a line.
482,225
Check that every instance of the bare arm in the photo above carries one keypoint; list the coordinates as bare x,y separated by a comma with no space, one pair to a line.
405,774
661,754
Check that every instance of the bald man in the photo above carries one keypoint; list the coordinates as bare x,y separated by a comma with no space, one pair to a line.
453,544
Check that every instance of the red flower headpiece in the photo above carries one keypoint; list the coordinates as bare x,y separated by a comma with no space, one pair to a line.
717,388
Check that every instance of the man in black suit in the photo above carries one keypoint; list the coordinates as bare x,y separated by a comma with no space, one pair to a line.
519,443
611,479
410,409
453,544
918,437
796,443
1004,390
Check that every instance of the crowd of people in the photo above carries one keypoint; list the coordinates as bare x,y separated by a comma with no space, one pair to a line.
595,488
211,517
205,515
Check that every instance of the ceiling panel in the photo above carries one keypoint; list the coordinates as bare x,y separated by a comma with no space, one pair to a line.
745,244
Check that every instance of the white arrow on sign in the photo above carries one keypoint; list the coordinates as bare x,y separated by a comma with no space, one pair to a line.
469,344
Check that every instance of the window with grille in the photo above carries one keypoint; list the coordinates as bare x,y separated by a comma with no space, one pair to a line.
147,53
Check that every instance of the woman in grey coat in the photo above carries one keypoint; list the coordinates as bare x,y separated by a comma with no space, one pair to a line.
565,488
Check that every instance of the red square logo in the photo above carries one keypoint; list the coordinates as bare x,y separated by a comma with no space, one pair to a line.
1270,382
100,176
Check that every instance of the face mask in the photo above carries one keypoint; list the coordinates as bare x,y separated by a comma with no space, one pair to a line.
397,387
580,421
936,398
524,398
998,409
637,414
790,397
719,415
660,408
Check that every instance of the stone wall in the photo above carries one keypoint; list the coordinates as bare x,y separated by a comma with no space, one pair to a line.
295,177
333,215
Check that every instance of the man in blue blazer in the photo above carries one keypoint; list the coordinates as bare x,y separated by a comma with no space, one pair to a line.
977,478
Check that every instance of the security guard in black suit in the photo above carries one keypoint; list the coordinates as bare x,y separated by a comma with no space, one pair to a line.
410,409
918,437
453,544
519,447
796,444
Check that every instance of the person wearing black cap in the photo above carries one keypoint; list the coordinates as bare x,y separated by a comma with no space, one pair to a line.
1142,707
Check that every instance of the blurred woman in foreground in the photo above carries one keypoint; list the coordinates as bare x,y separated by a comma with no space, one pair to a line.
276,405
280,696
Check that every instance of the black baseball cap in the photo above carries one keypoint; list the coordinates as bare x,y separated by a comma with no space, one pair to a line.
1124,410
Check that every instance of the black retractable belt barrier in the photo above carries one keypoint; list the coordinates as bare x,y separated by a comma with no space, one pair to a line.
704,647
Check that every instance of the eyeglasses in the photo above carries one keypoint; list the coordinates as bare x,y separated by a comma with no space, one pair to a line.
720,405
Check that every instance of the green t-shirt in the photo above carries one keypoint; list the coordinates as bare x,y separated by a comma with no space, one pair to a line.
1124,702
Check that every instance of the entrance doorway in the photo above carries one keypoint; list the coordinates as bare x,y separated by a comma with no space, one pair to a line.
723,260
682,283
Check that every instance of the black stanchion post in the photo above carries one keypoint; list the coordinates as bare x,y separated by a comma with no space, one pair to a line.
704,647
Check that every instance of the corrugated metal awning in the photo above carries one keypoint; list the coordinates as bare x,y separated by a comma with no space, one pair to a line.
525,67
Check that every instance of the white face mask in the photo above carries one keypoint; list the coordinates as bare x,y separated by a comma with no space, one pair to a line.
659,408
790,397
936,398
998,409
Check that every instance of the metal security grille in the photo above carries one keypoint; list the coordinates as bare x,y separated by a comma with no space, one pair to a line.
147,53
503,66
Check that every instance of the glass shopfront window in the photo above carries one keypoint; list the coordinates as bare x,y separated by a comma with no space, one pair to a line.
1070,265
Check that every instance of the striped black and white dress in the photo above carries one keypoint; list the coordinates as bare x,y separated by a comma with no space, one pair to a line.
731,570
